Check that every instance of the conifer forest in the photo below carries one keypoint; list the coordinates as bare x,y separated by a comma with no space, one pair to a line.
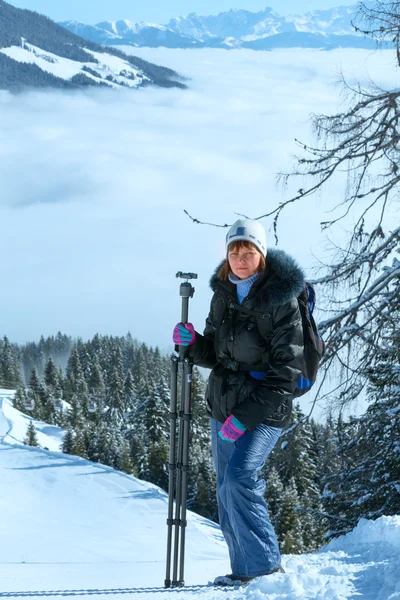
111,395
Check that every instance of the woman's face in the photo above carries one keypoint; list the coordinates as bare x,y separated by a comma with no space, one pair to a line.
244,262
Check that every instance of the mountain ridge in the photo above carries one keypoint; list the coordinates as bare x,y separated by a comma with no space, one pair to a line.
236,28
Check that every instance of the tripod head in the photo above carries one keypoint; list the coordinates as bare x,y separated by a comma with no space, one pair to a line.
182,275
186,289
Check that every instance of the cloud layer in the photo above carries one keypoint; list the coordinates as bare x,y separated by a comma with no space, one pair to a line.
93,186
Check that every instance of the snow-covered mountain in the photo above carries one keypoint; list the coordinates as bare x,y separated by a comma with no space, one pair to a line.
135,34
36,52
234,29
75,528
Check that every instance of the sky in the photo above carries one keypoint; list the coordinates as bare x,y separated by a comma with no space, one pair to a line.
88,530
95,11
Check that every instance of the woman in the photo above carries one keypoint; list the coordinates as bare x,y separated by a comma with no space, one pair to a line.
249,393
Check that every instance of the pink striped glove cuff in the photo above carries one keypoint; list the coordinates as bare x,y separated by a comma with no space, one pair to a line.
232,429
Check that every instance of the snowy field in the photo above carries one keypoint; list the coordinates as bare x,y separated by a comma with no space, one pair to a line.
94,185
71,528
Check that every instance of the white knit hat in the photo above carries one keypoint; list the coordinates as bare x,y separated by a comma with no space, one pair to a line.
249,231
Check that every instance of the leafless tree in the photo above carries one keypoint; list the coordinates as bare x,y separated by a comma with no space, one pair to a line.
361,286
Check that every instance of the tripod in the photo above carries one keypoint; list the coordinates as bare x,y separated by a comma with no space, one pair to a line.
179,457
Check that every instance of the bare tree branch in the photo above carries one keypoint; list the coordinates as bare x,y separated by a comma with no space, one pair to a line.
361,285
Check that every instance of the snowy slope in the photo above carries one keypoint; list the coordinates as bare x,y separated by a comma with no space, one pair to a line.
64,512
13,425
107,65
75,528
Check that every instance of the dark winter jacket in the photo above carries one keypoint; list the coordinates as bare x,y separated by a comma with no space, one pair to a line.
232,340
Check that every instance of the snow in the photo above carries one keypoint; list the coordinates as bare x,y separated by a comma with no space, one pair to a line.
61,67
66,68
49,436
75,528
146,24
115,26
115,65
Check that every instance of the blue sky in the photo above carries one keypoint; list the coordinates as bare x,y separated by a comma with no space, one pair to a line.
94,11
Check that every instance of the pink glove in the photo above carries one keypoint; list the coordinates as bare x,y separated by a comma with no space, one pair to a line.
232,429
184,334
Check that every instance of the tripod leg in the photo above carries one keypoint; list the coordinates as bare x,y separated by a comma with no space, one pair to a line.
178,491
179,464
172,464
187,386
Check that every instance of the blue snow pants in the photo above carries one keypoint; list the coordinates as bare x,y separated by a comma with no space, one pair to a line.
243,512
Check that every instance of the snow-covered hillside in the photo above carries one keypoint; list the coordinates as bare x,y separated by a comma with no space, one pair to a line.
36,52
74,528
108,70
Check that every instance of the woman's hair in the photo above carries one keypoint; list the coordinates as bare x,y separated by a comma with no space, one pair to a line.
226,270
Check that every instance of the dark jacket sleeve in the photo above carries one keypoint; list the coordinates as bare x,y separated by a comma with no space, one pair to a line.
203,350
285,361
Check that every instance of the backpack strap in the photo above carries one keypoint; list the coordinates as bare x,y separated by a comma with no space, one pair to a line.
247,311
235,365
263,320
264,324
310,297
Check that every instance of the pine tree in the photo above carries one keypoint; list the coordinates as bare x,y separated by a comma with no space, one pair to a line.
68,443
97,392
51,377
337,501
126,464
274,493
76,392
140,368
79,446
129,392
19,399
129,353
153,426
47,412
75,416
115,398
369,486
326,449
40,359
201,475
10,365
31,436
74,373
380,428
34,393
296,461
96,383
288,521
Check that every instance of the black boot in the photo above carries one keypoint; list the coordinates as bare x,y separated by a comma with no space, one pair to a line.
236,580
230,580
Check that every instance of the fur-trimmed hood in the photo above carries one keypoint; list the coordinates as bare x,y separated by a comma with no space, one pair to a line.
282,281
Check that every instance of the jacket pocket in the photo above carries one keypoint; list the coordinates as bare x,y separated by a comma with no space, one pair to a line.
216,392
238,389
